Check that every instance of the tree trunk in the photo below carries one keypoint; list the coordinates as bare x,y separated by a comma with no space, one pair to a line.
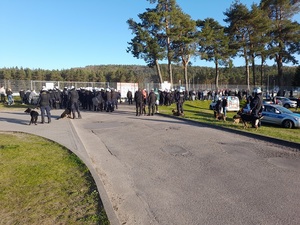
247,69
280,74
262,70
253,70
217,76
158,71
185,62
170,62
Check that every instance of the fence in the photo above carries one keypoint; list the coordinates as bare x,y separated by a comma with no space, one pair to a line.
17,85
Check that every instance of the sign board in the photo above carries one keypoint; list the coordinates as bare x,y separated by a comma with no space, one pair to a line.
124,87
50,86
166,85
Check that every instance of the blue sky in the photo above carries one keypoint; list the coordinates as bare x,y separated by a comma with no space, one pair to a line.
62,34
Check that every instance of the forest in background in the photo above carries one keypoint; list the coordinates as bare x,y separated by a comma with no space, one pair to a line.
144,74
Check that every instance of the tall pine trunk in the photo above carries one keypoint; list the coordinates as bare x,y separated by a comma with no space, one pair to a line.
158,71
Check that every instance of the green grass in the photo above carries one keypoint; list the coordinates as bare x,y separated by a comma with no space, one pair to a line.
17,105
199,111
41,182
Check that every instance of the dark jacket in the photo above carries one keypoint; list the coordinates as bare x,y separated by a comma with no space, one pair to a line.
73,96
44,98
151,97
129,94
108,96
138,97
179,97
256,105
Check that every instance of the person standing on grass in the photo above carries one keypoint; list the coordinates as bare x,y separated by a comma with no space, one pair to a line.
224,106
256,106
298,104
179,98
3,94
10,99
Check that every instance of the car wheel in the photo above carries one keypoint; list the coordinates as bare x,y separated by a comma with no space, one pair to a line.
287,124
286,105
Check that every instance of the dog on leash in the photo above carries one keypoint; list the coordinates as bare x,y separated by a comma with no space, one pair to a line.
247,119
33,115
236,119
219,116
176,113
65,114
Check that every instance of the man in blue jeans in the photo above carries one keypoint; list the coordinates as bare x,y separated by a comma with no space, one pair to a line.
44,104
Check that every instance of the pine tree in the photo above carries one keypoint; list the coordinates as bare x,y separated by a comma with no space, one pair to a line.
183,34
284,32
237,16
213,44
145,43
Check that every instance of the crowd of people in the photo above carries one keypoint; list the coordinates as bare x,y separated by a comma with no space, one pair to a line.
107,99
71,99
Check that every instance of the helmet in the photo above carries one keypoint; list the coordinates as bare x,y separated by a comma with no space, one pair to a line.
257,90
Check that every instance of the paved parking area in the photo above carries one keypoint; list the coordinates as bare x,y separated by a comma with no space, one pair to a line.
160,170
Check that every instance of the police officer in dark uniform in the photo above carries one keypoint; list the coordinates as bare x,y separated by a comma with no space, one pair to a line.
179,98
64,97
256,106
108,103
114,98
74,102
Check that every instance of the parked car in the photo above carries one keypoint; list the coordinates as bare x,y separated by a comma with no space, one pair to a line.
286,102
279,115
293,99
232,101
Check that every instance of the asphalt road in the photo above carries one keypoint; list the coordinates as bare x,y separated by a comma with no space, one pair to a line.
160,170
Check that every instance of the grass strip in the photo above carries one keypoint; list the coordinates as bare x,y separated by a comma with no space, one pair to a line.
199,111
42,182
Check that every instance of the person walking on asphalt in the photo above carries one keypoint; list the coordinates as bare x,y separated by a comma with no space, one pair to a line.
44,104
151,102
129,97
74,102
138,98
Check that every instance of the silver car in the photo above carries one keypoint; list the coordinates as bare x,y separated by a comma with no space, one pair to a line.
286,102
279,115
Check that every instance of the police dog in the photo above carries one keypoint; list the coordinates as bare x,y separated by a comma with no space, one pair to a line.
248,118
245,118
219,116
236,119
65,114
33,115
176,113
